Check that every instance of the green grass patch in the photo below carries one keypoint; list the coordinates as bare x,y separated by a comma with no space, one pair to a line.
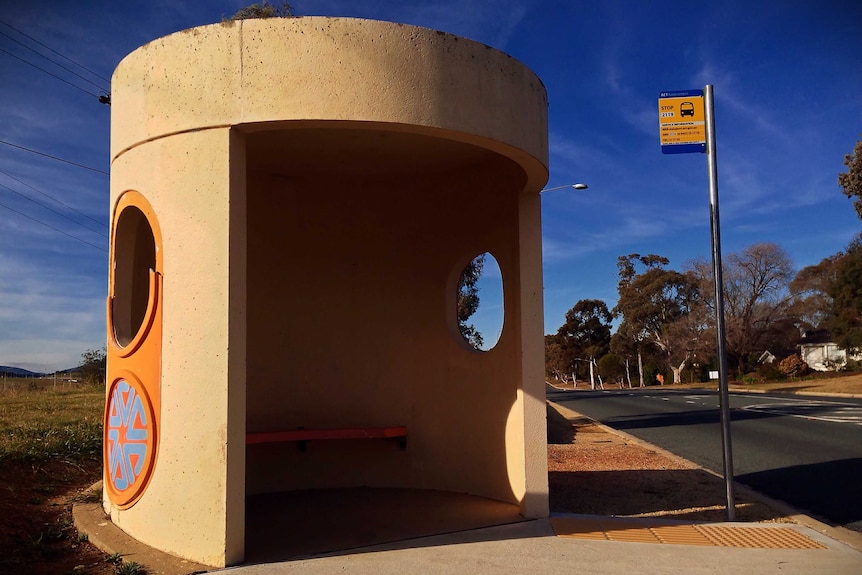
45,423
131,568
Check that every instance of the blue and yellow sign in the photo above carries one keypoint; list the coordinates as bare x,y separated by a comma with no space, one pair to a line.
682,122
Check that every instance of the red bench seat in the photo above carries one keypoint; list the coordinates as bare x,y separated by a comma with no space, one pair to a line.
303,435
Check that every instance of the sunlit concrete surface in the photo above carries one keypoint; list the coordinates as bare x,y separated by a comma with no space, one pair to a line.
318,185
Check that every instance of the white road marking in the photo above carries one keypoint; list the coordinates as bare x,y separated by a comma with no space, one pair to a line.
818,410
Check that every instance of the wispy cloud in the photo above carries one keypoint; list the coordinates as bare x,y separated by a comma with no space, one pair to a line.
627,229
729,93
571,157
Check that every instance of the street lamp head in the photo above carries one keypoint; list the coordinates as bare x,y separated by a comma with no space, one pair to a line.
573,186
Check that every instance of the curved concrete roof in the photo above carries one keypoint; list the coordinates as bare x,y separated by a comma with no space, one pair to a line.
340,73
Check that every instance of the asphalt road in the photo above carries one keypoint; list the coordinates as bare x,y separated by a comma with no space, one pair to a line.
806,451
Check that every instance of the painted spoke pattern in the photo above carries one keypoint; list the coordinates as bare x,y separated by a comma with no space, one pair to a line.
128,435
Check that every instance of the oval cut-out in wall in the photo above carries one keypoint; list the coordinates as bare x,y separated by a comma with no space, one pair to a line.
135,256
480,311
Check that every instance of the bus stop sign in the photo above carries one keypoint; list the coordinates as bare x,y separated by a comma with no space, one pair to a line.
682,122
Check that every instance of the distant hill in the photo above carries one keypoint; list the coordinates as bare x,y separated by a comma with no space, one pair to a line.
10,371
18,372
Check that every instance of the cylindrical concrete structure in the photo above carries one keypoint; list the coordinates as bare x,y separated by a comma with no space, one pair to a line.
319,184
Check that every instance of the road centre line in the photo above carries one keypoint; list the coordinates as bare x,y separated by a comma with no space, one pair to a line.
851,413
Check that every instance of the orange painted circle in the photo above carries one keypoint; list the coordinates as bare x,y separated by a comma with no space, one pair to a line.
129,451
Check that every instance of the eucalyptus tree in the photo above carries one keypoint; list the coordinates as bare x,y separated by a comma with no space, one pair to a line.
655,305
844,320
845,315
93,364
467,301
810,289
851,180
585,336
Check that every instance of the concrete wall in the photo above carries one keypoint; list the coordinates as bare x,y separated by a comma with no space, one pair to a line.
200,468
351,293
320,183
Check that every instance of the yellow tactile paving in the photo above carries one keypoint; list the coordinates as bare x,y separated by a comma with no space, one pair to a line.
763,538
645,531
580,528
632,535
680,535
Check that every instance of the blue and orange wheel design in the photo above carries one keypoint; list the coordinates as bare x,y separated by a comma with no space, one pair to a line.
129,440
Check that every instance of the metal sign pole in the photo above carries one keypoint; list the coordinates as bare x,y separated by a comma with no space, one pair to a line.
724,398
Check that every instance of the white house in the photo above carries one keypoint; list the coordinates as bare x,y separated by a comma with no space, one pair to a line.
821,353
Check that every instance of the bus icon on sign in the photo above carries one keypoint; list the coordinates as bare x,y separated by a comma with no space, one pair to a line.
686,109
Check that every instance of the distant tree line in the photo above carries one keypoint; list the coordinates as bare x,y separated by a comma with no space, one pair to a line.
94,363
666,317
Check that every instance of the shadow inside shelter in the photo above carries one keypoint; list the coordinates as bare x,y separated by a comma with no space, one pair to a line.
298,524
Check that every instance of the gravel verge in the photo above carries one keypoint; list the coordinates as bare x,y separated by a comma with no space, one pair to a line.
592,470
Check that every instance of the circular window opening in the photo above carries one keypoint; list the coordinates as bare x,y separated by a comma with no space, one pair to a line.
480,302
134,257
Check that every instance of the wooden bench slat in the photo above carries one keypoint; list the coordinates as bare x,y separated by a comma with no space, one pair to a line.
315,434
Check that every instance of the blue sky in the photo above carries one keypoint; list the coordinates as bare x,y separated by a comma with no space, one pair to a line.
788,101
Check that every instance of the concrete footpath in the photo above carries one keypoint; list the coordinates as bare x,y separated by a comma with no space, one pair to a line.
534,547
562,544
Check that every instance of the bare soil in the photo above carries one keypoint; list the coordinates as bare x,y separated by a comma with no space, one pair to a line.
36,532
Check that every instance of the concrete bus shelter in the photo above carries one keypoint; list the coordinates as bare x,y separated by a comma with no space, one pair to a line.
293,201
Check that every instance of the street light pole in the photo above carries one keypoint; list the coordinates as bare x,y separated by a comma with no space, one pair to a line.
578,186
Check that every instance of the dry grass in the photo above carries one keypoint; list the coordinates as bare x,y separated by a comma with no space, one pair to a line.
850,384
43,423
50,452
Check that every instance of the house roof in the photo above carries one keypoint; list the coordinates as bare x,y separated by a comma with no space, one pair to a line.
816,336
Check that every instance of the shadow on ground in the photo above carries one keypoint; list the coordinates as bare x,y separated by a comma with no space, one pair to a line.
684,494
812,488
